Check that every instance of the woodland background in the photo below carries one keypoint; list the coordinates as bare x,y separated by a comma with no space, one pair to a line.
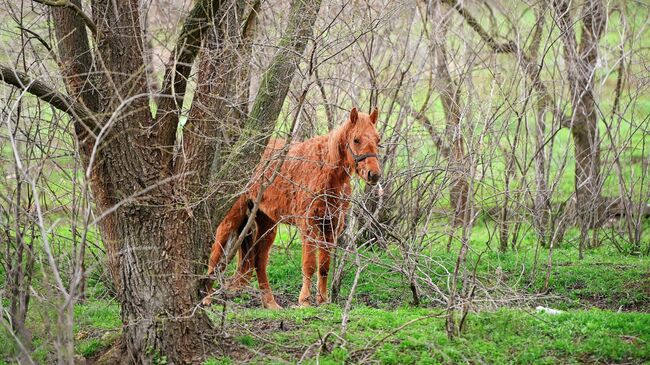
516,164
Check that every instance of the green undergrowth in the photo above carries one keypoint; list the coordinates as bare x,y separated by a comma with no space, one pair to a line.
605,297
605,278
417,336
97,325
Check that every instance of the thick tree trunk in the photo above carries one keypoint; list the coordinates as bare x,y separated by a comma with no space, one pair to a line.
154,245
160,251
154,220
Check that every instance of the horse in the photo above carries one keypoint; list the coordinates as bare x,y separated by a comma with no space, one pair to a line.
309,189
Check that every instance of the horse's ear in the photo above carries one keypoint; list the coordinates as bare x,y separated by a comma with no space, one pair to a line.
374,115
354,115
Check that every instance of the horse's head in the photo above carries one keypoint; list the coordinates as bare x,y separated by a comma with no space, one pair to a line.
362,145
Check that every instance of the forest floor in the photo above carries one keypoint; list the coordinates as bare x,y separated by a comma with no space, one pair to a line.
604,299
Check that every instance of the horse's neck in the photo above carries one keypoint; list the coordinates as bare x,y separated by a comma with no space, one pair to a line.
339,170
339,177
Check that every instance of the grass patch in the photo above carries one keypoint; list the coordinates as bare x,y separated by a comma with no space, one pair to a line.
591,291
504,336
97,326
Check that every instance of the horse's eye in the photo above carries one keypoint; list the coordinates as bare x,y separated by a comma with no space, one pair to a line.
356,140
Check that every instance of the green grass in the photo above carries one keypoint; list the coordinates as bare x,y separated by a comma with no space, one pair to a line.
604,279
97,326
505,336
590,291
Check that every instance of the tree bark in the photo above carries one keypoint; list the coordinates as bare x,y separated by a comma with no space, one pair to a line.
178,70
153,244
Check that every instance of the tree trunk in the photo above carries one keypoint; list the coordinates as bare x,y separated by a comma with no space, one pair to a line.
160,253
450,97
581,62
155,222
154,245
19,263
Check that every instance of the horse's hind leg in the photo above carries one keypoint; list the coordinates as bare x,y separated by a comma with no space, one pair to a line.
245,265
267,229
228,225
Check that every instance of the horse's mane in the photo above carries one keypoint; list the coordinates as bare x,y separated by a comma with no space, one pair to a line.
336,155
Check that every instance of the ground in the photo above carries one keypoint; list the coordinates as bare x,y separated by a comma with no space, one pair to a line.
604,301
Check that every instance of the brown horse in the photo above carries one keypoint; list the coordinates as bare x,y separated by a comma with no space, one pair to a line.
310,189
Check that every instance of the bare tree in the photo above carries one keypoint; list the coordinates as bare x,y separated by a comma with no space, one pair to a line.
581,66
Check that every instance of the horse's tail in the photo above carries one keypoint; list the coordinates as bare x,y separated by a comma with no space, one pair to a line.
227,232
229,229
246,249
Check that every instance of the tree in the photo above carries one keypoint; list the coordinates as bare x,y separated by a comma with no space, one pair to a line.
581,61
149,184
451,103
460,188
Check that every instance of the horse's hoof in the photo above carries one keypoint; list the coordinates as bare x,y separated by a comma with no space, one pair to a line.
272,305
321,300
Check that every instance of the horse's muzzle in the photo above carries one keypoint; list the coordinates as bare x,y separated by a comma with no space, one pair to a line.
373,178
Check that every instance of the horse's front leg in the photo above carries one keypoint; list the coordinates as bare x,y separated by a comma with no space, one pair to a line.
309,246
325,250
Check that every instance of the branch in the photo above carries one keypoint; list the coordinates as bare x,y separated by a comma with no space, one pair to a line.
508,47
48,95
420,117
75,60
277,78
178,70
526,62
251,20
67,4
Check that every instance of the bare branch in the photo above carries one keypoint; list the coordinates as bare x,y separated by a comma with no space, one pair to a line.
67,4
526,62
507,47
49,95
178,70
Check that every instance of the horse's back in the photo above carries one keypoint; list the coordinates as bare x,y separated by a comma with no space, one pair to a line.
293,189
274,145
306,152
